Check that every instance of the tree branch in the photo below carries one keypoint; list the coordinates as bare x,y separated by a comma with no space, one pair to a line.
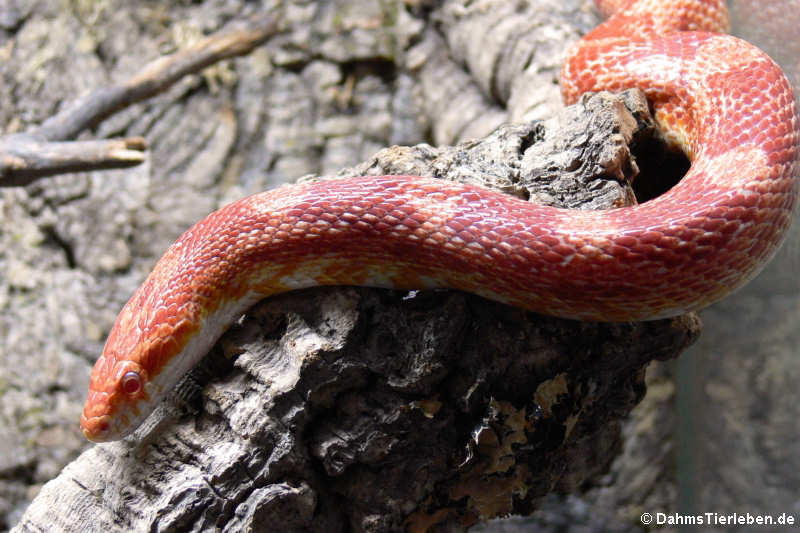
47,150
25,158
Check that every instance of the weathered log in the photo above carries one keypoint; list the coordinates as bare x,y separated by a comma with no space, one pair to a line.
354,409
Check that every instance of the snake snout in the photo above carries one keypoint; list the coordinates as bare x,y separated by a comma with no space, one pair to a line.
96,428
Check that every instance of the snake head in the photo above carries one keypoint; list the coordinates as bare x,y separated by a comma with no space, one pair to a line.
112,407
143,358
120,389
166,327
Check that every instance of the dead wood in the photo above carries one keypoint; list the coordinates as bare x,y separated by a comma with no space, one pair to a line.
352,409
49,150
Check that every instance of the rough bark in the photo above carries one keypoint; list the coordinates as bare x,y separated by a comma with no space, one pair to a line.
362,410
349,78
372,410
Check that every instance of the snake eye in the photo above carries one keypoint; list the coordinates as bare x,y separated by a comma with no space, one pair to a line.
131,382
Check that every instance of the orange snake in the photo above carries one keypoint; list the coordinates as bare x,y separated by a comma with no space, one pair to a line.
724,102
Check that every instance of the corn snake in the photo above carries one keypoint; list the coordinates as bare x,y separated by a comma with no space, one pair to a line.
719,99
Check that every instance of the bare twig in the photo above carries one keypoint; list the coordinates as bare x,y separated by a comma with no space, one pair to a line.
47,150
157,76
24,158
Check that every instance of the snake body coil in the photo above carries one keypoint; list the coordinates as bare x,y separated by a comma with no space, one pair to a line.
722,100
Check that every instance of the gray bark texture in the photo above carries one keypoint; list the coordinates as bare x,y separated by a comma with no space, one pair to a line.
353,409
370,410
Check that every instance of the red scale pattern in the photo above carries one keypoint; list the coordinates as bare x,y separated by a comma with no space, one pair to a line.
723,101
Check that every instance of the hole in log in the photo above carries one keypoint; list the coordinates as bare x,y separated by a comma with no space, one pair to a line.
660,169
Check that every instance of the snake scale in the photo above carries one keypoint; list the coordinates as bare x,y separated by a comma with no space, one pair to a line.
717,98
